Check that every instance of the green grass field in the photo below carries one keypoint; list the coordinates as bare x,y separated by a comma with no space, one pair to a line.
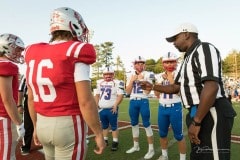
125,138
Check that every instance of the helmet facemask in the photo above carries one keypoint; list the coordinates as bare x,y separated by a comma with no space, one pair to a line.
139,67
108,77
108,74
169,61
170,66
139,64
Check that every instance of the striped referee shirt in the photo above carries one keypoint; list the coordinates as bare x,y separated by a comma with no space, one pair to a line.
23,86
202,62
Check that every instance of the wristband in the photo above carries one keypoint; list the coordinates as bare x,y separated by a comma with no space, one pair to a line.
195,123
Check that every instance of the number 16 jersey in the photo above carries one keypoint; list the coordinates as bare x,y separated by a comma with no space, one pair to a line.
50,74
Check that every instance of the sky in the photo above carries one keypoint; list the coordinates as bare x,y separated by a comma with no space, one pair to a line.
136,27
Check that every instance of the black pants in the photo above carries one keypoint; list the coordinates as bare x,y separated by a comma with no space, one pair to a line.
28,125
215,132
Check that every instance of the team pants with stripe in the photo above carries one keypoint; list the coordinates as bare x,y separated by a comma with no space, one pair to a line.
63,137
8,139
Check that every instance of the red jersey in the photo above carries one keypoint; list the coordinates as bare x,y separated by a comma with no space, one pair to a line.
50,74
8,68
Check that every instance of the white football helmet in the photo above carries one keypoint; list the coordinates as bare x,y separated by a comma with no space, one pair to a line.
108,74
12,46
67,19
139,67
170,61
169,57
139,59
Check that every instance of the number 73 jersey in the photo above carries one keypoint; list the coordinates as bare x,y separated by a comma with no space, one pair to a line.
50,75
108,92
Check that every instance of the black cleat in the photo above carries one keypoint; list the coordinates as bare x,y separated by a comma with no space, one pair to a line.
25,152
106,141
114,146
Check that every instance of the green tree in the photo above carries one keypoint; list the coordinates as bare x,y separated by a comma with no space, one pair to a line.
158,67
231,64
150,65
98,64
106,50
120,70
104,58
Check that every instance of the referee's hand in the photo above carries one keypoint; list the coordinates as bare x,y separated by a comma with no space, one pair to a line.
193,132
145,85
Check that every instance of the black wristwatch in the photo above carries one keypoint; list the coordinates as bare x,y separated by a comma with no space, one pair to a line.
195,123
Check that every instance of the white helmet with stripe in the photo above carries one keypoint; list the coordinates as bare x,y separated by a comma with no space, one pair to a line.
170,56
67,19
12,46
108,73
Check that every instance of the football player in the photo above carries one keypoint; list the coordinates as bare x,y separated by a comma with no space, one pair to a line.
61,103
11,47
139,104
109,94
170,108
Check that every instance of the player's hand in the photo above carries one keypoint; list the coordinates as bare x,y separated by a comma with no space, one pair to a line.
140,77
100,144
114,110
134,78
193,134
20,131
145,85
35,139
20,110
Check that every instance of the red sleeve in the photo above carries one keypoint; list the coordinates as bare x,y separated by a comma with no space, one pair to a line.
87,54
10,68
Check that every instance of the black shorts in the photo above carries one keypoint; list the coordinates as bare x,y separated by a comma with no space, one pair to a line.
215,132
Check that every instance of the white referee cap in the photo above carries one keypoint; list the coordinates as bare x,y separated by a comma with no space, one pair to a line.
184,27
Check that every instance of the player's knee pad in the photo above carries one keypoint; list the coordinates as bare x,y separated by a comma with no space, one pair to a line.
146,124
178,137
149,131
135,131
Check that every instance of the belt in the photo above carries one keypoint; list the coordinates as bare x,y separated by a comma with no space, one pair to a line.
137,98
167,105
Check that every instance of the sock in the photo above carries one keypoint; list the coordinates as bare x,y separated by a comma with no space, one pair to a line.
115,139
182,156
150,147
164,152
136,144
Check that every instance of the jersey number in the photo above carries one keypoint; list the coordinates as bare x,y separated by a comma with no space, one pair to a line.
137,88
42,82
106,92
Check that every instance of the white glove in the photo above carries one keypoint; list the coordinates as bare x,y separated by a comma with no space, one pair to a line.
20,131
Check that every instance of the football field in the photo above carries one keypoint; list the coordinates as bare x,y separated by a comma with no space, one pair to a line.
125,139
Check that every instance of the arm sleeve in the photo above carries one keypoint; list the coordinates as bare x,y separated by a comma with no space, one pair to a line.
81,72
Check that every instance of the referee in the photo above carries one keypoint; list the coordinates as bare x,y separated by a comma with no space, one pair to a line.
199,79
28,125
